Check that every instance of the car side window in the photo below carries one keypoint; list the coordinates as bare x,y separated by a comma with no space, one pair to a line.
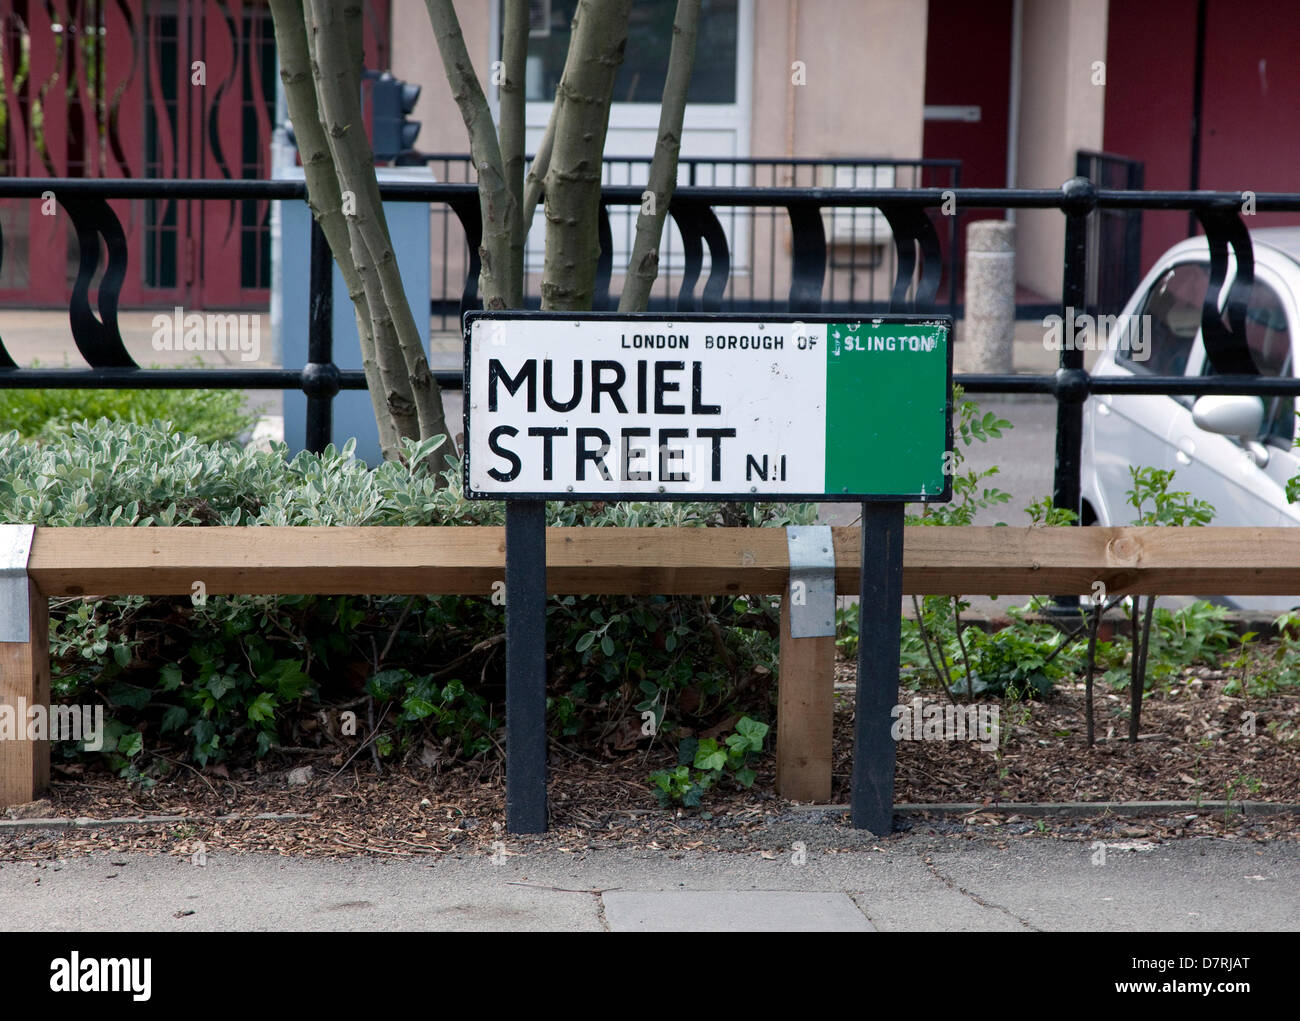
1268,336
1168,318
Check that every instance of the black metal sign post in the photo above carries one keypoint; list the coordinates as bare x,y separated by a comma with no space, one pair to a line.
879,632
526,666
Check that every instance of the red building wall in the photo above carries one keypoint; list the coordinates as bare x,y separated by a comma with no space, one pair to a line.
1250,135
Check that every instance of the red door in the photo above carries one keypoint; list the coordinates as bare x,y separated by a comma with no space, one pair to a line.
172,89
957,31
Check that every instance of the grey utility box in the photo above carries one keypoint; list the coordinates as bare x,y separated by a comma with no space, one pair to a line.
408,224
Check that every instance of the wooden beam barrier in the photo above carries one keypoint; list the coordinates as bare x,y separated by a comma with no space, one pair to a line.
667,561
626,561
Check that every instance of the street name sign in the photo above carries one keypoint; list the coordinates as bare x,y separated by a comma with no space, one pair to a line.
570,406
562,406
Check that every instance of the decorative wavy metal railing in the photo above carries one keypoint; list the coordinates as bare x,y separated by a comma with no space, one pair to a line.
917,278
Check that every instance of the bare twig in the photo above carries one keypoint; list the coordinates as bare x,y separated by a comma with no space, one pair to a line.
939,675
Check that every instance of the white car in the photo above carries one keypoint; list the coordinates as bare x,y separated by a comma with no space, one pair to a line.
1237,453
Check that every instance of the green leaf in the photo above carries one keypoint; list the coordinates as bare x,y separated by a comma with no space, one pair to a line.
753,730
417,708
262,708
584,643
129,695
386,683
607,645
131,744
170,677
710,756
220,684
174,718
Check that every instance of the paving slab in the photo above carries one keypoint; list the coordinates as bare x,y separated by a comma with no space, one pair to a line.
732,911
1198,885
263,893
909,883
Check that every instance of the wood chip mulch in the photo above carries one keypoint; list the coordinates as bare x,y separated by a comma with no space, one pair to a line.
1193,746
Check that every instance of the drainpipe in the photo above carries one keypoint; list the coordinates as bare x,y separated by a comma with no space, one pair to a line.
1013,103
792,35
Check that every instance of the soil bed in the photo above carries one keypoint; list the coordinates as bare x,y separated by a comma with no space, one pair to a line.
1194,746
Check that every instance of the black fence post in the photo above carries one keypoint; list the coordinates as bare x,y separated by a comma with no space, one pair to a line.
320,376
526,666
880,625
1072,383
1071,379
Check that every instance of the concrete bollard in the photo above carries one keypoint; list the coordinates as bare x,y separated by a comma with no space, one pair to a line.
990,323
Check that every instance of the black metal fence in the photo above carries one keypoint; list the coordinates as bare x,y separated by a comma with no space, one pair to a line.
1114,235
860,265
918,268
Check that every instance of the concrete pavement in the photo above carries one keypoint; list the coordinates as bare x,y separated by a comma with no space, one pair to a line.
910,883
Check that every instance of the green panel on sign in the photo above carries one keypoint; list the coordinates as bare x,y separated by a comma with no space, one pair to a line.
886,404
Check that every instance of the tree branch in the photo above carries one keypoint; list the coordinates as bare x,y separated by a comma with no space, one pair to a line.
643,264
340,104
573,178
537,172
323,193
514,59
496,203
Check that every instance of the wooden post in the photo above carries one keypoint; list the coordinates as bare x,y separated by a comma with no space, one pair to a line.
25,682
804,716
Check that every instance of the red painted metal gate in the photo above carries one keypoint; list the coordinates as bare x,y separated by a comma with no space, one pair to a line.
175,89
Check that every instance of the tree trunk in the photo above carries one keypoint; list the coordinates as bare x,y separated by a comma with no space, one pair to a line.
496,203
643,264
323,195
340,105
514,59
573,178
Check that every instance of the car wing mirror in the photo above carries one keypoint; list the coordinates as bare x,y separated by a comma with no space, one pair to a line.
1230,415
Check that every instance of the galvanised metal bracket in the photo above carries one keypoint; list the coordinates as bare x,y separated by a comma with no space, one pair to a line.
15,547
812,581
